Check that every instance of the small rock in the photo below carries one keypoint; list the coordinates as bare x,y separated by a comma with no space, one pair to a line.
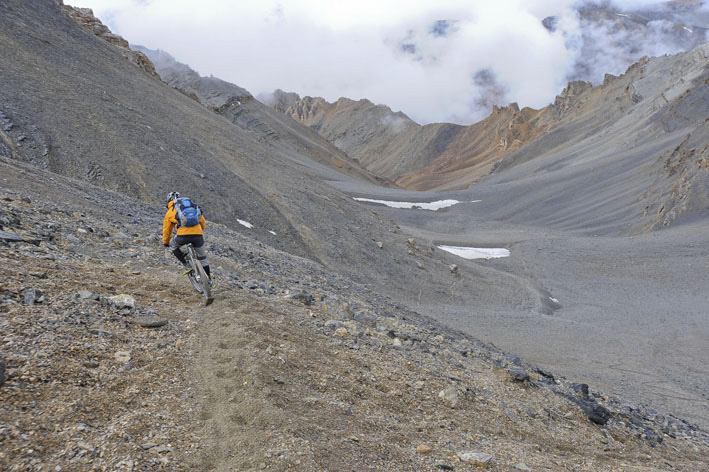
419,265
334,324
518,373
478,459
418,385
87,295
3,376
450,397
5,236
150,321
147,446
33,296
396,342
304,297
122,301
122,356
454,268
581,388
252,285
521,466
341,332
423,449
91,364
599,414
366,318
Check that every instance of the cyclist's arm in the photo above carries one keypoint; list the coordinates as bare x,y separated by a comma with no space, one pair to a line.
167,226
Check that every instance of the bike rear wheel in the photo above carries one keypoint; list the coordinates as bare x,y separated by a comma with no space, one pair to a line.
198,277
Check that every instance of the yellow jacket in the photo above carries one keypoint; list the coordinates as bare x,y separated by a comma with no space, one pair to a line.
170,222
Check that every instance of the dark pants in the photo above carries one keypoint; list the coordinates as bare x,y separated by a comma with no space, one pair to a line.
197,241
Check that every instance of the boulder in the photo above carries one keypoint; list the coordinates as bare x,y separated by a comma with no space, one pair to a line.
478,459
518,373
122,301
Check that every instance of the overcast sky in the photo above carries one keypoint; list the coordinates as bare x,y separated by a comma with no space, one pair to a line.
444,60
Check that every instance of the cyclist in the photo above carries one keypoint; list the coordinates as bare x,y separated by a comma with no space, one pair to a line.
186,233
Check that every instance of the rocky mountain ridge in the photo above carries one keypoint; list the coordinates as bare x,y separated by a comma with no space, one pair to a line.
625,109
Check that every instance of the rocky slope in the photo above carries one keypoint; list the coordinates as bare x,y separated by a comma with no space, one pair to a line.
108,360
242,109
641,137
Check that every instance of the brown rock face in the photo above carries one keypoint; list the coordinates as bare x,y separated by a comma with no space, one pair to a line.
436,156
85,17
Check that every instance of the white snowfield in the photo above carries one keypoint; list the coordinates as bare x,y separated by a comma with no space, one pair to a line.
476,252
245,223
437,205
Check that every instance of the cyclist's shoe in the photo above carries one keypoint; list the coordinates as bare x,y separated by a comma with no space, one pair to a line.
188,271
211,282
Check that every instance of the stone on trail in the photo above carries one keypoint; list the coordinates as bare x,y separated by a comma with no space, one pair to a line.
423,449
150,321
122,301
478,459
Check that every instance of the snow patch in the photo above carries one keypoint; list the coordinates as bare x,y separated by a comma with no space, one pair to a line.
272,232
476,252
554,299
437,205
245,223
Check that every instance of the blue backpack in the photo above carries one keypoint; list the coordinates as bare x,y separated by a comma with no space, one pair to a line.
188,214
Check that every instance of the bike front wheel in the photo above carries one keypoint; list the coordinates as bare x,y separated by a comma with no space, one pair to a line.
198,277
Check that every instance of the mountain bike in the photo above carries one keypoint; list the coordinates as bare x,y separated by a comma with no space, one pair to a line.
197,276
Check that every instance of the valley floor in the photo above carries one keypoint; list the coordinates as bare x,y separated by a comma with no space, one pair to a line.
627,315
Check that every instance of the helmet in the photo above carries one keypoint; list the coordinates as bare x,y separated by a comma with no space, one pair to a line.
171,197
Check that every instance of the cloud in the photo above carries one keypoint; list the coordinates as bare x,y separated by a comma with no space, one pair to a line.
418,57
